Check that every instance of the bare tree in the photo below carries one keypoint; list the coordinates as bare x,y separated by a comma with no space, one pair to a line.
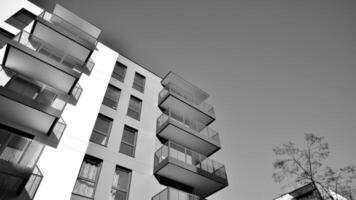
306,165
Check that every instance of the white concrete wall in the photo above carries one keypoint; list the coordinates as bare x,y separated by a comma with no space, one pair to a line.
60,166
143,183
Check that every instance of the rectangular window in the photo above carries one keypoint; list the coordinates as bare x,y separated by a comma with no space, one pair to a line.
139,82
119,71
112,97
134,109
87,177
121,184
128,141
21,19
101,130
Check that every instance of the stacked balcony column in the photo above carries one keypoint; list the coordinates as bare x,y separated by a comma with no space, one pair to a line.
182,163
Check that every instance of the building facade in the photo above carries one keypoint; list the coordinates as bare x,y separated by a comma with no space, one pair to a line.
80,121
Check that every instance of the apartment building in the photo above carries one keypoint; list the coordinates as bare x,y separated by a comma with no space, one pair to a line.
80,121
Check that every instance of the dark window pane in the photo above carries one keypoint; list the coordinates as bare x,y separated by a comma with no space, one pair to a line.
103,124
18,142
112,97
118,195
21,19
119,71
98,138
129,135
121,179
134,109
139,82
126,149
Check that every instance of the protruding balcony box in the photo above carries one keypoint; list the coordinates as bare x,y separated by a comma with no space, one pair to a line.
30,108
174,194
176,127
182,168
18,157
32,185
24,56
184,96
67,32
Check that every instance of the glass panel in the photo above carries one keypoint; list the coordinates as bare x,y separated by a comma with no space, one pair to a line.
23,87
32,154
126,149
88,170
129,135
98,138
119,72
134,109
113,93
103,124
139,82
84,188
117,195
124,178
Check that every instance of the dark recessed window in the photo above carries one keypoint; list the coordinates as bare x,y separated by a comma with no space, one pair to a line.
21,19
128,141
87,177
139,82
112,97
134,109
121,184
119,71
101,131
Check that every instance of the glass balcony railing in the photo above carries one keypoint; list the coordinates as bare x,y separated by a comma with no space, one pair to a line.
189,157
185,121
33,183
42,47
19,151
69,28
41,93
172,88
174,194
76,92
59,128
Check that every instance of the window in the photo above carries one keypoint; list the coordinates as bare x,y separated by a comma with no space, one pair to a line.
121,184
21,19
119,71
139,82
87,177
128,141
101,130
112,97
134,109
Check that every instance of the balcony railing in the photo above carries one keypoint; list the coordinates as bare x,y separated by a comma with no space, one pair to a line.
19,151
174,194
70,28
189,157
7,75
76,92
41,46
59,128
187,122
172,88
34,182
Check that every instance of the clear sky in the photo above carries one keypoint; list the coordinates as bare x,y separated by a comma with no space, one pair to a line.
275,69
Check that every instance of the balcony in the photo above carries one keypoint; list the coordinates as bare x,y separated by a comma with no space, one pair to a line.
173,194
174,126
178,166
67,32
25,61
18,157
32,185
30,109
42,47
172,96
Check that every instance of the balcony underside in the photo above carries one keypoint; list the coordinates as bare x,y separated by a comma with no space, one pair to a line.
12,178
186,108
170,171
191,139
22,116
59,38
37,67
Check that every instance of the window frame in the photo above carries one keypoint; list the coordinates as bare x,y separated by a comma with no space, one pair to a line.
101,132
129,108
126,143
92,160
129,171
115,74
136,85
110,99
